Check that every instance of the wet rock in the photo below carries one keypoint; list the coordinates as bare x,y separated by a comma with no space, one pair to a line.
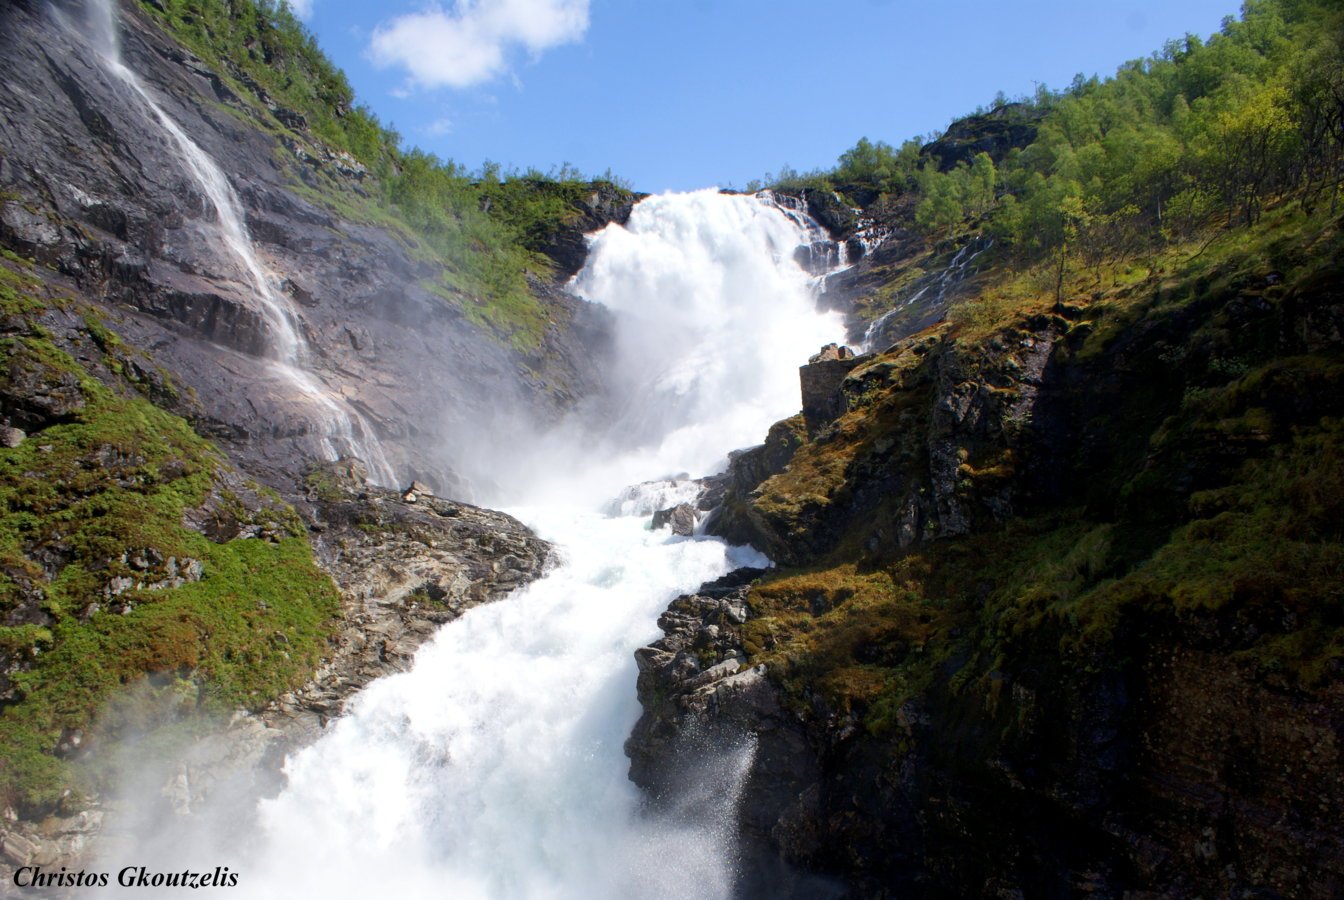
122,216
415,490
18,848
680,673
831,213
702,706
680,518
404,570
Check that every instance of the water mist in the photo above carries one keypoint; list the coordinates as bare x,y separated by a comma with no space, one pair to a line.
494,767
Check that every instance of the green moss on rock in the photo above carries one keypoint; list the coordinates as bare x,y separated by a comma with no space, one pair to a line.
107,574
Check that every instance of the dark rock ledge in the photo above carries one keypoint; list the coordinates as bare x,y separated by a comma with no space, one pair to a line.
701,699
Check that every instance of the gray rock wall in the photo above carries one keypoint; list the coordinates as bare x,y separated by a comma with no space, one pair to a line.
91,186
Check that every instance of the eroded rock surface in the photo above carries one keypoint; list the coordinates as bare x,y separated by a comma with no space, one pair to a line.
95,188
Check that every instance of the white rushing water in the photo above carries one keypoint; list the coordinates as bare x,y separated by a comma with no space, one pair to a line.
344,431
494,768
714,316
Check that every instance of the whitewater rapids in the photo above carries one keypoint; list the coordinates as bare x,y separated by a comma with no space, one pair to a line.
494,767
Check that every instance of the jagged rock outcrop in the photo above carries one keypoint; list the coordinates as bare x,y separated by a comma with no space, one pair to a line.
1004,128
827,210
680,519
568,245
404,569
900,486
702,700
682,673
727,496
821,379
1173,774
406,562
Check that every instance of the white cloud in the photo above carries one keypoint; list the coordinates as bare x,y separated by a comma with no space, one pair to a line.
439,127
470,43
301,8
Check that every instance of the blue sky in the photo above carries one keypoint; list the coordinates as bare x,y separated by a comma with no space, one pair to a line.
680,94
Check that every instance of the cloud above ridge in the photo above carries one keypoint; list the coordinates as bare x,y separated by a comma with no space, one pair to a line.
470,43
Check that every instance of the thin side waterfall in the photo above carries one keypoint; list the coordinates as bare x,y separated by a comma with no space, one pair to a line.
936,285
494,768
344,429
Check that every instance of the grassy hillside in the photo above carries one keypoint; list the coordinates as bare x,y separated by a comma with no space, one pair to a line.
1059,603
1181,468
1059,606
128,546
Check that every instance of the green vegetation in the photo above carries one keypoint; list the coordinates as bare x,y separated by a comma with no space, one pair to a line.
102,581
486,227
1150,212
1197,134
266,50
1215,517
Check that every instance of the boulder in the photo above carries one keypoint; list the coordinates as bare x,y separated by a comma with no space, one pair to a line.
681,518
823,400
415,490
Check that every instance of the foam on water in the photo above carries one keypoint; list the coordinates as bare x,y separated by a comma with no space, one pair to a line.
494,767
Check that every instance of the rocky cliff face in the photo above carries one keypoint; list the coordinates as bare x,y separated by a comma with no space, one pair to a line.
142,416
94,187
567,245
147,585
1055,615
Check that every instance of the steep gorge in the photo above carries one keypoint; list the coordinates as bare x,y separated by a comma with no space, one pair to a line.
1057,602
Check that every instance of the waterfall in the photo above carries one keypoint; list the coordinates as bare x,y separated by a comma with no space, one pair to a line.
344,430
494,767
933,286
713,316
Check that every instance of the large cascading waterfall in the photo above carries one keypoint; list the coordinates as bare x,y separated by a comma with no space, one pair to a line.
343,431
494,768
714,314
